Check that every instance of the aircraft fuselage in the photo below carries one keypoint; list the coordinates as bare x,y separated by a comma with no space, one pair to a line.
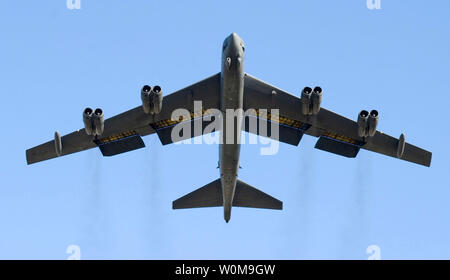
231,91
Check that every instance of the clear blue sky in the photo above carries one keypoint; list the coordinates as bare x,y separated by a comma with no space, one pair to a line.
55,61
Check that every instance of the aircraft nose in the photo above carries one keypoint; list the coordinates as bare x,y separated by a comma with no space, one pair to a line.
234,37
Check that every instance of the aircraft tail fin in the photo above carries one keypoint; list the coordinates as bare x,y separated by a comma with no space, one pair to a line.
248,196
206,196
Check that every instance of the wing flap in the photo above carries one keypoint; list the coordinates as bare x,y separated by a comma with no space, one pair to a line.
286,134
206,91
259,94
337,147
185,130
119,146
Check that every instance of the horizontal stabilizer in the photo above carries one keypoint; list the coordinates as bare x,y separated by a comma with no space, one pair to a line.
207,196
211,196
248,196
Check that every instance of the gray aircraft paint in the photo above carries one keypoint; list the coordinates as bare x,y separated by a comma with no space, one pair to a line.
231,91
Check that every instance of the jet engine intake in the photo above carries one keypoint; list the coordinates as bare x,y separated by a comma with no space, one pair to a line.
373,122
151,99
87,120
316,99
93,121
363,118
367,123
99,121
311,99
306,100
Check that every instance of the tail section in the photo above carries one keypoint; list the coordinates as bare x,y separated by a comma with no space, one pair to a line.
207,196
248,196
211,196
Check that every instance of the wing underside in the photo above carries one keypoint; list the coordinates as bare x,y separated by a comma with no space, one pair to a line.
122,133
337,134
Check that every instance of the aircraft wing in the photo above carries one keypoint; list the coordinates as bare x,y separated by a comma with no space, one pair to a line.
337,134
122,133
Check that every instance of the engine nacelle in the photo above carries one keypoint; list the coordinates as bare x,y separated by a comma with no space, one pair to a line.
367,123
146,98
87,120
306,100
311,99
157,99
94,122
316,99
151,99
99,121
363,119
373,122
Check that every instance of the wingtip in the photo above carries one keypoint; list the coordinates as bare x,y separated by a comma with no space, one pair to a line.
426,161
27,157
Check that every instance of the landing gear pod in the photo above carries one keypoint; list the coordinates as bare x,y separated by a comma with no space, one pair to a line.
58,144
401,145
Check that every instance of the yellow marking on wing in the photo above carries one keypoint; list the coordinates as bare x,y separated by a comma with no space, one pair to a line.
169,122
116,136
193,115
341,138
281,119
298,124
